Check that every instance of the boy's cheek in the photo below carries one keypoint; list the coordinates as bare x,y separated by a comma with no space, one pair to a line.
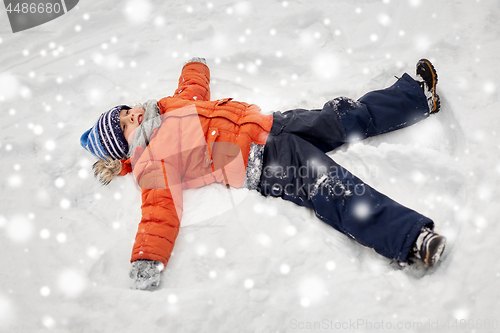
130,137
137,110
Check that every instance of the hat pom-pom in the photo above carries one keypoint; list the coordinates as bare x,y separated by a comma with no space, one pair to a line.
105,170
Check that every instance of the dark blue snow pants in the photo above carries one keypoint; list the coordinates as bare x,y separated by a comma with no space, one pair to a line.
297,169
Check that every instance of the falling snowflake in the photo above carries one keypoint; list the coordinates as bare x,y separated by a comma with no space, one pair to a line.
44,234
19,229
290,230
172,299
305,302
251,68
59,182
248,283
48,321
264,240
71,283
418,177
65,203
415,3
45,291
5,311
272,210
361,210
50,145
422,43
384,19
15,181
201,250
220,252
61,237
311,289
9,85
285,269
83,173
489,87
484,192
138,11
159,21
480,222
460,314
330,265
243,8
92,252
325,66
38,129
258,208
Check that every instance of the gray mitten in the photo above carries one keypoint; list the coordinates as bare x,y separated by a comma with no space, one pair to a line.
146,274
196,59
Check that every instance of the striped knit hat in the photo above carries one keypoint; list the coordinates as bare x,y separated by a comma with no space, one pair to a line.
105,139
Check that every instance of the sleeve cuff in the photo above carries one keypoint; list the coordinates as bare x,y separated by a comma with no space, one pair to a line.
196,59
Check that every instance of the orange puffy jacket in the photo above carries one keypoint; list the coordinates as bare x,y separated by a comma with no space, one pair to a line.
199,142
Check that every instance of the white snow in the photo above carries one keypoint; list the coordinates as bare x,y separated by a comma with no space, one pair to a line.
266,265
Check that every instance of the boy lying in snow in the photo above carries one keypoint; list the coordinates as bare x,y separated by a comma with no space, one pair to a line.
187,141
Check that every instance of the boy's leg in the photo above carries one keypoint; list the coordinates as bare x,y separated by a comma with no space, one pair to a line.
296,170
343,120
401,105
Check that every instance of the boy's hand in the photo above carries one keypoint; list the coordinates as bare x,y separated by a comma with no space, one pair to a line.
146,274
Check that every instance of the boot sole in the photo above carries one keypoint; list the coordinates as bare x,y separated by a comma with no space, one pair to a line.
435,251
437,102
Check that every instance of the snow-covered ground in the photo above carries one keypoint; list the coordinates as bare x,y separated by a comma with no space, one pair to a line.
266,266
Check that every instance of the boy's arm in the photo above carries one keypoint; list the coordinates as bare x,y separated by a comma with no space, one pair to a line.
158,228
194,82
161,207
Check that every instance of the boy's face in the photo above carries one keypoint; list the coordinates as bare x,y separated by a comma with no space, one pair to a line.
129,121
